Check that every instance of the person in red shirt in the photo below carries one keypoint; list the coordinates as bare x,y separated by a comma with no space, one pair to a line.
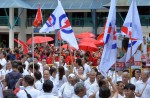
50,58
68,58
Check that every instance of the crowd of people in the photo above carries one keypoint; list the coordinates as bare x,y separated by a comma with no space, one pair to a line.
65,73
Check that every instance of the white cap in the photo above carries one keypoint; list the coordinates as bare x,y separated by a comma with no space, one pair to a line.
72,75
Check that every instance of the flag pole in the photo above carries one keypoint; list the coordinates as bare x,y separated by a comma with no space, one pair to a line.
131,41
33,47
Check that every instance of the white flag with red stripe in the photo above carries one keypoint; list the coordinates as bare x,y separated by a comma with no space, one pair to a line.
109,54
132,29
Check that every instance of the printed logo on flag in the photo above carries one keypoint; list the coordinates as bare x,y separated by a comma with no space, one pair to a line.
110,29
51,21
65,24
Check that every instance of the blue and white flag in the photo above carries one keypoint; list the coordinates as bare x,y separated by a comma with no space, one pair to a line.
132,29
59,20
109,54
53,22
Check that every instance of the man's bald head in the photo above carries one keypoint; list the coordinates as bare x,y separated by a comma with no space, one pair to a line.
125,77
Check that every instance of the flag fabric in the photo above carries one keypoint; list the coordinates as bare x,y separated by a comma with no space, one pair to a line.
25,47
55,19
109,52
38,17
59,20
132,29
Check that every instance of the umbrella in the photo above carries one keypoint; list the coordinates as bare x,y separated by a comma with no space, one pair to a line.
66,46
89,40
85,35
39,39
88,46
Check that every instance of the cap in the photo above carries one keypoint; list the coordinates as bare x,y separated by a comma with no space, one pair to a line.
72,75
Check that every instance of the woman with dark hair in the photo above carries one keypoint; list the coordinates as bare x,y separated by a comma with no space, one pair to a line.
120,87
78,63
105,92
135,76
54,79
9,94
81,75
37,79
61,76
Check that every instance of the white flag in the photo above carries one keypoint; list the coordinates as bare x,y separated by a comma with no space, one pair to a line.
110,52
132,28
54,20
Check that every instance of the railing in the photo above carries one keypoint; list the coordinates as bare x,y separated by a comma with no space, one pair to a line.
4,21
76,22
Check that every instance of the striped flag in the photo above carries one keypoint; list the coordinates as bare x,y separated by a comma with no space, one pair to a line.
132,29
109,54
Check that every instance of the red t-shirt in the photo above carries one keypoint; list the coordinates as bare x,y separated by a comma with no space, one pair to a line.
49,60
68,60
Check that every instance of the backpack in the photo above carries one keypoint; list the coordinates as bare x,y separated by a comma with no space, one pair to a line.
13,78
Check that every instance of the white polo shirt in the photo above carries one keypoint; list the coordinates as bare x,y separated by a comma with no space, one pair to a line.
88,84
47,95
66,90
93,89
31,90
139,87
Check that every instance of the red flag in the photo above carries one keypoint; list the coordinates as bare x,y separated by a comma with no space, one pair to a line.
38,17
25,47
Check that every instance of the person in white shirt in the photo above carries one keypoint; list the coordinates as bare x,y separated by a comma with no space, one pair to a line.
40,65
61,76
129,90
81,74
142,87
37,78
3,61
125,78
90,80
24,61
94,88
136,76
2,73
54,79
8,67
28,82
80,90
118,78
87,68
47,88
67,89
36,68
77,64
120,87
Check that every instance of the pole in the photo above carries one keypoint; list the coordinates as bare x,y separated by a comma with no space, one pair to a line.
115,73
33,48
131,40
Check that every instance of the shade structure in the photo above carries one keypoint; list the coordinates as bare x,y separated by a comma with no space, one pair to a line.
66,46
88,46
39,39
85,35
